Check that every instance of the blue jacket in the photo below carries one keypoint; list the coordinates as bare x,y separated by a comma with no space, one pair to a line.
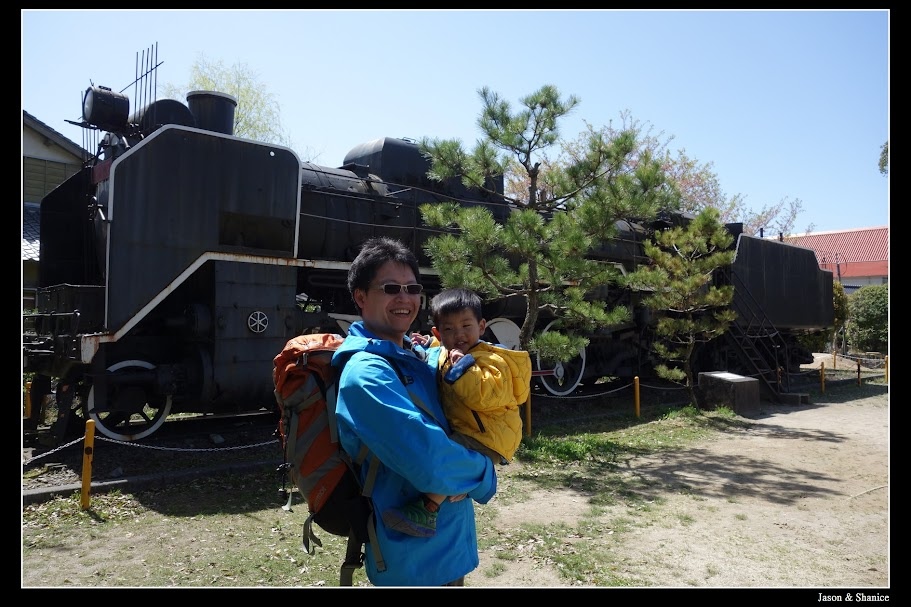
374,408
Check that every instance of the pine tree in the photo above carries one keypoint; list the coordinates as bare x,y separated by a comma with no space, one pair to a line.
692,308
565,208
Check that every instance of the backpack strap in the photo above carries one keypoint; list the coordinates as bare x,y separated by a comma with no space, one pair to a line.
414,397
308,536
354,558
331,399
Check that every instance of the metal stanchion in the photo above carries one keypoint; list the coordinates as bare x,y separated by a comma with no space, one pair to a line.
822,377
636,394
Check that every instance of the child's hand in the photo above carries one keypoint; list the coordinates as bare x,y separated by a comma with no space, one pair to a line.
455,356
421,340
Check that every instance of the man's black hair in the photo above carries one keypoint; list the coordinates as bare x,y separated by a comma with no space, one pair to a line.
374,253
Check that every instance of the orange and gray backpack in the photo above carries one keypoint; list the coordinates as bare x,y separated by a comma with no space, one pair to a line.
306,386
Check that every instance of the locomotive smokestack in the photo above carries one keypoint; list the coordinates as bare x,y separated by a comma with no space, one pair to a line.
213,111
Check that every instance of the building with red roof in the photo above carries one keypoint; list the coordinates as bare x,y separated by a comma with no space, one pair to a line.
857,258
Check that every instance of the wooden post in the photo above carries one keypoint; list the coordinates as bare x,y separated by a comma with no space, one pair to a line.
528,416
87,454
28,400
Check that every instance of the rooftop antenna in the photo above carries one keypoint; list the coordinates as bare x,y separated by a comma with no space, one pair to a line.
145,82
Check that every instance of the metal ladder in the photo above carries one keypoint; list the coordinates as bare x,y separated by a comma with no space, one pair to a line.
758,343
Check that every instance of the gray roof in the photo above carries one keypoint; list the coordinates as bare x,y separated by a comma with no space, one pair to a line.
31,231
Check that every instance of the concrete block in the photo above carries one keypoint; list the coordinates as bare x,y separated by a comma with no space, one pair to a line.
720,388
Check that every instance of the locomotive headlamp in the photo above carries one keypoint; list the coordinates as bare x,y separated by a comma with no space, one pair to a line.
105,109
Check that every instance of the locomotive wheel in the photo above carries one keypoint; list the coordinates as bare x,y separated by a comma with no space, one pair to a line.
567,376
133,414
504,332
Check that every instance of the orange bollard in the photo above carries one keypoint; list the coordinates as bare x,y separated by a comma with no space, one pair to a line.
28,400
528,416
636,394
87,453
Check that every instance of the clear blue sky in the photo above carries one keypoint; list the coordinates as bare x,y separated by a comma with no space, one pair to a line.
783,104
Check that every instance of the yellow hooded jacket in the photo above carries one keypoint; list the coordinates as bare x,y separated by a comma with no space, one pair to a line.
482,401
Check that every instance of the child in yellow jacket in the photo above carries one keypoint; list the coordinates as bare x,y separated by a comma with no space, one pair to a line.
481,388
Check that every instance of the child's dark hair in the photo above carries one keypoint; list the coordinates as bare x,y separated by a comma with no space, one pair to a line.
452,300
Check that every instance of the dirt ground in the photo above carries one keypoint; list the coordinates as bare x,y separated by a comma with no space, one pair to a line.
800,499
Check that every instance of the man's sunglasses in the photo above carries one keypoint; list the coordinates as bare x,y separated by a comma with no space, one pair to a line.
394,289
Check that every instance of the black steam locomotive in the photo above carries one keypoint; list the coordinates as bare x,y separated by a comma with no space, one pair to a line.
176,264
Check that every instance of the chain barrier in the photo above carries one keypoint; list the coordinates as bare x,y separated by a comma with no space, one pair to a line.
52,451
184,449
153,447
585,396
870,363
589,396
874,365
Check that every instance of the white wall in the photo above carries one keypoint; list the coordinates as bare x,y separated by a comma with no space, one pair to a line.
35,145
